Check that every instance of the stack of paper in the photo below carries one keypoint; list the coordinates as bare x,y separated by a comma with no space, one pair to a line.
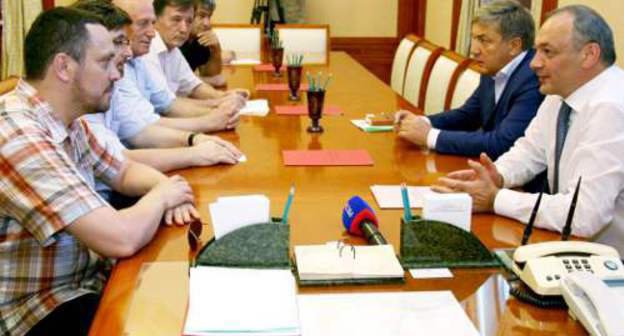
332,262
383,314
368,128
236,301
258,107
234,212
389,196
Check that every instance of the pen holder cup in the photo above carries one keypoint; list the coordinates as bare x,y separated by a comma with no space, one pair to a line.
294,81
263,245
432,244
277,57
316,100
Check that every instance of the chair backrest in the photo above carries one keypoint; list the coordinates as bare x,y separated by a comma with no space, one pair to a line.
8,85
465,86
310,40
440,81
418,70
399,64
245,40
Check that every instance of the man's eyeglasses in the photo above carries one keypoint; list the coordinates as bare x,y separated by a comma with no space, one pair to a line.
121,41
194,234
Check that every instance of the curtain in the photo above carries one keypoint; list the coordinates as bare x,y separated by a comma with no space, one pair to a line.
18,15
468,10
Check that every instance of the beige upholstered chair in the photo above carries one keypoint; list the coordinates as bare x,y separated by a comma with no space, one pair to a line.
399,65
418,69
440,81
466,84
310,40
243,39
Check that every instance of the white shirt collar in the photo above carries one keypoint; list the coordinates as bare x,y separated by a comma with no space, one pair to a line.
509,68
580,96
158,45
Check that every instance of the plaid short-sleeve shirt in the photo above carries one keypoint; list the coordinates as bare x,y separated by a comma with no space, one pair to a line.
47,173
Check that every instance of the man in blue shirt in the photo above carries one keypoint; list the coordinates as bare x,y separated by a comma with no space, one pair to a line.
506,99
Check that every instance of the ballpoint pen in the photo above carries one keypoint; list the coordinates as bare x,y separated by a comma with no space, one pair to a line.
291,194
407,213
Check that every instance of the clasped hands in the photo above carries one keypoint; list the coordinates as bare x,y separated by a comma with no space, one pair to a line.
411,127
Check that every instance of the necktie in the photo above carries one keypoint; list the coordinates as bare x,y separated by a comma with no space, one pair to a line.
562,130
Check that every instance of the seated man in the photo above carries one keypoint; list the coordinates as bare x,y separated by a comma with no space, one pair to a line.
55,248
139,91
578,132
166,63
506,99
201,150
202,50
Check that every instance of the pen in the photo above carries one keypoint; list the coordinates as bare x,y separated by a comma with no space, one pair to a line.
291,194
407,213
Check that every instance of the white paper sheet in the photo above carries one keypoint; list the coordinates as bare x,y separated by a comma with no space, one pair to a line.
381,314
257,107
245,61
389,196
230,213
366,127
431,273
236,301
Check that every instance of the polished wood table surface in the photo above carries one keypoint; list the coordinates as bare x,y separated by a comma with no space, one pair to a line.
147,294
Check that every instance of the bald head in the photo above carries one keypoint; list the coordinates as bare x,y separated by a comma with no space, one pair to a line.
142,28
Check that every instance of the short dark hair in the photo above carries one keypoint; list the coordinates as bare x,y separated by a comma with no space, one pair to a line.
589,26
208,4
159,5
112,16
58,30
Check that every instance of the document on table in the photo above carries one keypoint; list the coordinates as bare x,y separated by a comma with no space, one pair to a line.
389,196
383,314
245,61
355,157
368,128
258,108
329,110
238,301
233,212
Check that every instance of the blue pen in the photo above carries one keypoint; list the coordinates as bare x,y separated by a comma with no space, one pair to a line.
291,194
407,213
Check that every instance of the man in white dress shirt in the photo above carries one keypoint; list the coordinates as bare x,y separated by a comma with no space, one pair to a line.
166,63
578,132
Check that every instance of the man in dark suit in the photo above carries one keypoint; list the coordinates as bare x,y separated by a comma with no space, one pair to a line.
506,99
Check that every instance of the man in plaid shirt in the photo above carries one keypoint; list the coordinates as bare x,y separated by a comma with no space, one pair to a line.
56,233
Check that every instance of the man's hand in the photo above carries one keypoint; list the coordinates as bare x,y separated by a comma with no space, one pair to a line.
174,191
412,128
244,93
224,117
214,151
181,215
482,181
208,38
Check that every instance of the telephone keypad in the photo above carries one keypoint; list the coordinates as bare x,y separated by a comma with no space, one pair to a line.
572,265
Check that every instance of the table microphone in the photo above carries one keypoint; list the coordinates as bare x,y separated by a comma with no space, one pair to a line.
360,220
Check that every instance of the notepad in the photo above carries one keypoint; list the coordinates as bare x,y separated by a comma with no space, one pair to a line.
278,87
389,196
366,127
233,212
257,107
237,301
267,68
329,110
336,262
358,157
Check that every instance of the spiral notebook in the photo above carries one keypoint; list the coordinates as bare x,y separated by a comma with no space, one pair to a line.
346,262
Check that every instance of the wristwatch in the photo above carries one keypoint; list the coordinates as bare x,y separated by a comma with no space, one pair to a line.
190,139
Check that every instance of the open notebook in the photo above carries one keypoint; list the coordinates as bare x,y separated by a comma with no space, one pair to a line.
345,262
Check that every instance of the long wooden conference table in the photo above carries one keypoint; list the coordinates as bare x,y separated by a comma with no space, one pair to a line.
147,294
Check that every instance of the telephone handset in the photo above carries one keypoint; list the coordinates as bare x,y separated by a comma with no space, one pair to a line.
594,303
541,266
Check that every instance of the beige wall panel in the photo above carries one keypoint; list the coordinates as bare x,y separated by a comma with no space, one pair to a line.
612,11
355,18
347,18
63,2
438,22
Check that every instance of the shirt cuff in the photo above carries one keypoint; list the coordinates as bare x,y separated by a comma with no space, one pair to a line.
504,203
432,138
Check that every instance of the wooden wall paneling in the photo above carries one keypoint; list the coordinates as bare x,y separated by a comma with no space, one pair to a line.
547,6
457,4
411,18
47,4
374,53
